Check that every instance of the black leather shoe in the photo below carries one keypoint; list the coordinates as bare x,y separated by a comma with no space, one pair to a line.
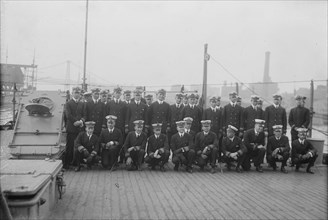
131,168
238,170
212,170
283,170
162,168
297,168
309,171
176,167
77,169
259,169
274,168
189,169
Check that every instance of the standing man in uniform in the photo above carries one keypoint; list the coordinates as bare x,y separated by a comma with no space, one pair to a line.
159,112
103,96
278,149
251,113
233,149
134,146
215,116
303,151
260,109
182,148
127,96
86,146
218,103
175,114
206,146
74,125
254,140
149,100
158,151
95,111
184,100
136,110
275,115
299,117
111,141
188,122
194,112
233,114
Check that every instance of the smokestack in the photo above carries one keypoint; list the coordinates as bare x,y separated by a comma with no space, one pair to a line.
266,77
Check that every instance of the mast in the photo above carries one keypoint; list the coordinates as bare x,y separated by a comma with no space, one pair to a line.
311,108
204,90
84,86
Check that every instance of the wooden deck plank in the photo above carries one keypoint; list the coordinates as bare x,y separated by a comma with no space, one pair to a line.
179,195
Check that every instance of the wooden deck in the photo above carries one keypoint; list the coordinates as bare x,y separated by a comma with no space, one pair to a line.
99,194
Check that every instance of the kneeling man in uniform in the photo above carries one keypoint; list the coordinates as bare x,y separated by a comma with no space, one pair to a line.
233,148
303,151
134,146
158,148
181,146
86,146
206,146
278,149
111,141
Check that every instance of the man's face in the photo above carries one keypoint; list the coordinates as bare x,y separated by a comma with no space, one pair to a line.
192,101
95,95
188,125
76,95
233,99
178,100
299,102
103,98
127,97
238,102
117,95
149,101
230,133
185,100
254,102
180,129
259,105
157,131
213,103
218,102
89,98
138,128
206,128
110,124
161,96
302,135
89,129
137,97
277,133
276,101
259,128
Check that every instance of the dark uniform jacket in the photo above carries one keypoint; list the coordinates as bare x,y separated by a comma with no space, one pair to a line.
275,116
178,142
192,134
119,110
95,112
250,114
175,116
250,139
236,145
216,119
135,112
159,113
72,115
91,144
155,144
132,140
106,137
195,113
301,149
232,116
299,117
282,143
202,140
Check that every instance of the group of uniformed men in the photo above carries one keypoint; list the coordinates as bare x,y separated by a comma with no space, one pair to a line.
108,130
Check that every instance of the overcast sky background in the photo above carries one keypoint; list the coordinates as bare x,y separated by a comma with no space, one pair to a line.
162,43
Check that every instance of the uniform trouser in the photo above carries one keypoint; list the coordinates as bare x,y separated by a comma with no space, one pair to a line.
294,135
272,160
80,158
256,155
109,156
298,161
152,161
211,158
69,150
220,157
137,157
240,160
186,158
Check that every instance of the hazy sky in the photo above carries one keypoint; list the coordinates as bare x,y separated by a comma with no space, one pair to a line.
162,42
